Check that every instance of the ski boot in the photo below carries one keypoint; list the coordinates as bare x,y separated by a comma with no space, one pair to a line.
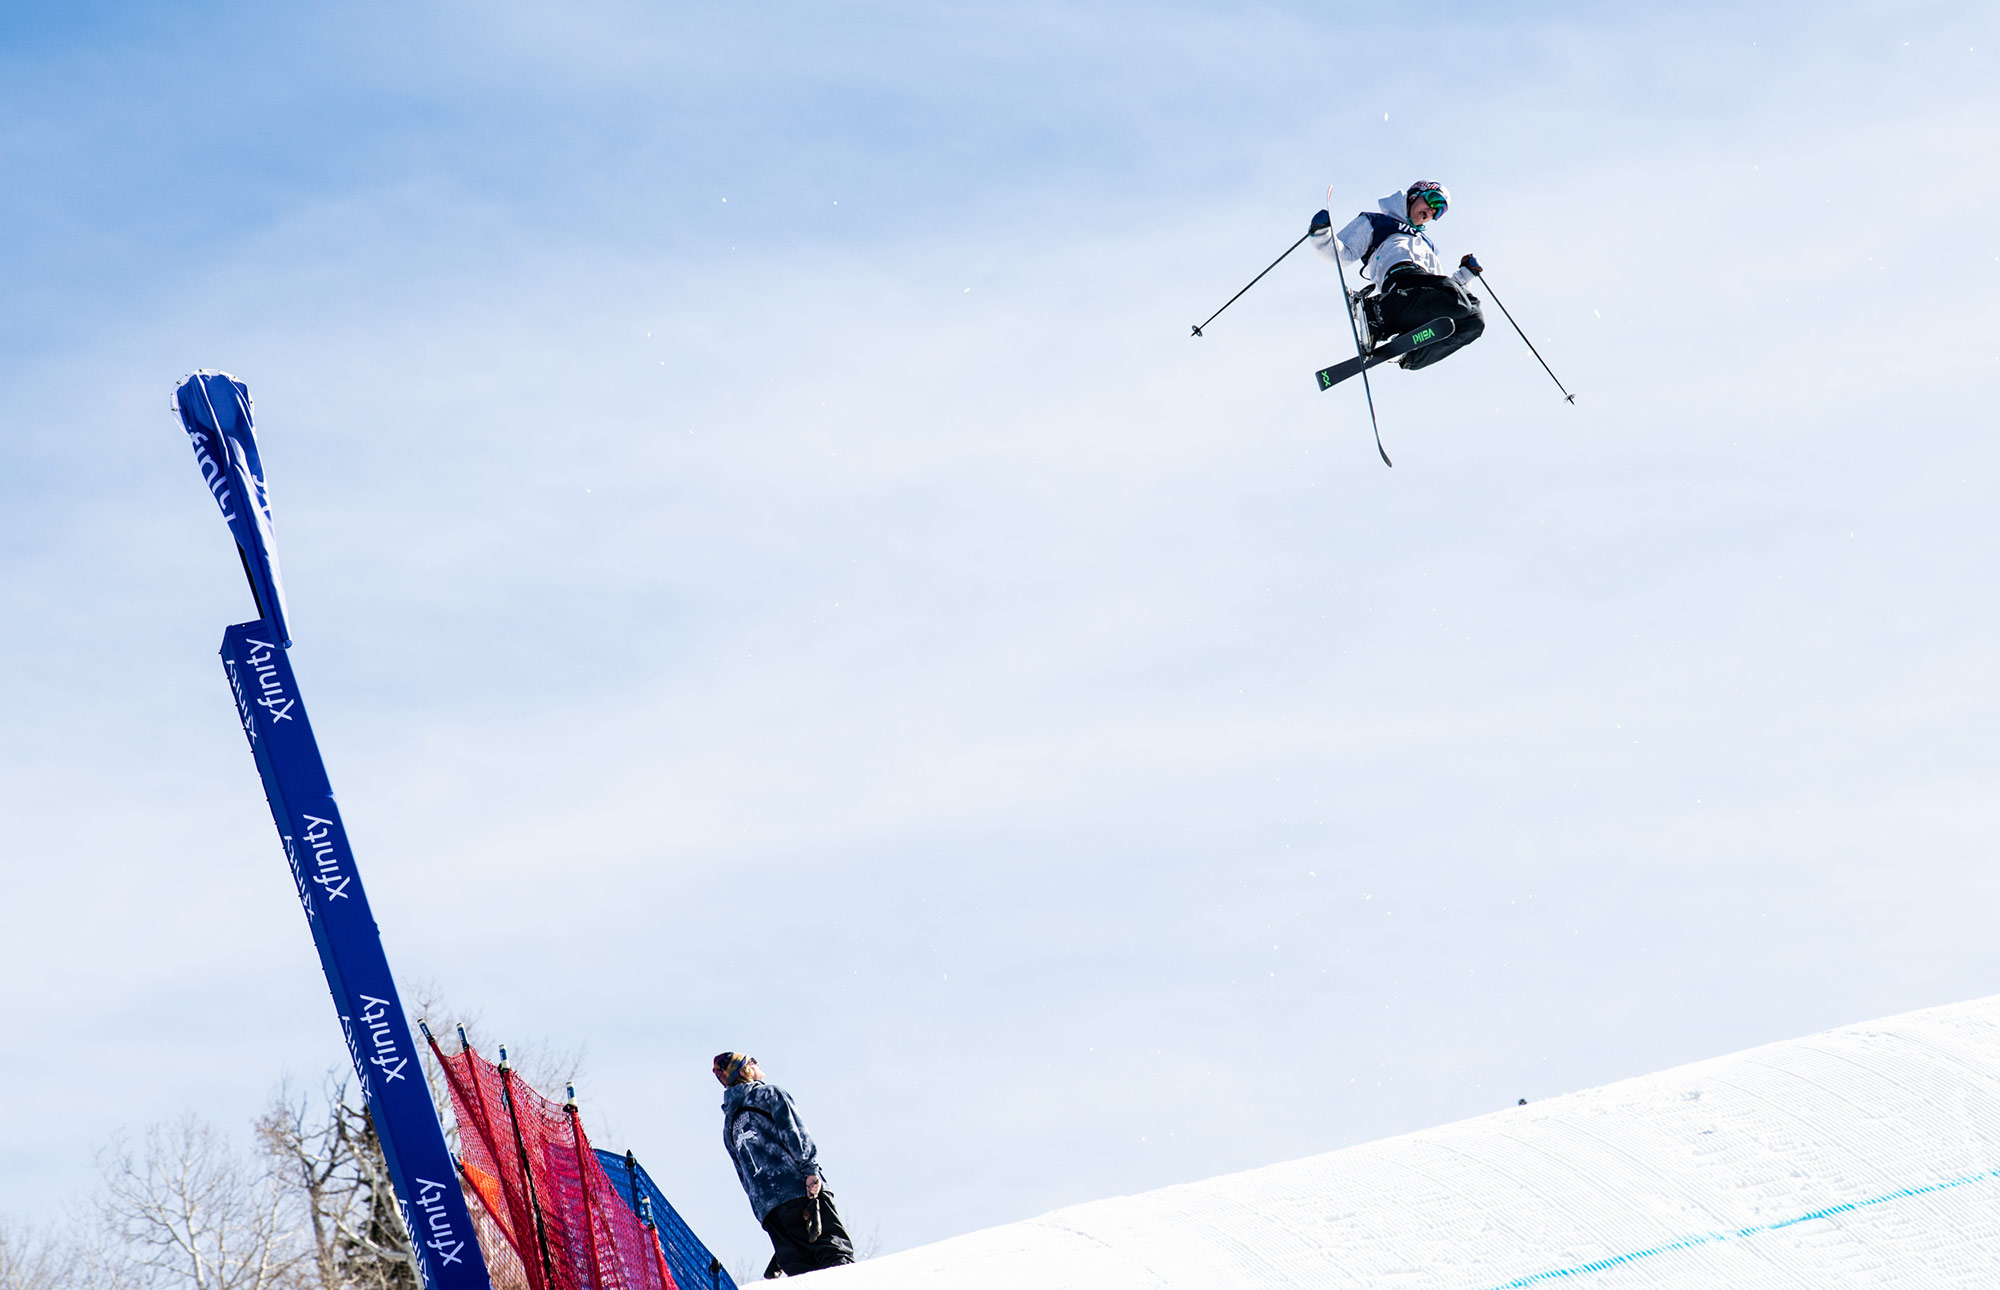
1358,303
1367,306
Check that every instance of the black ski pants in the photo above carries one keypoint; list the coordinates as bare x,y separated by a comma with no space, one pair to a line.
795,1249
1410,299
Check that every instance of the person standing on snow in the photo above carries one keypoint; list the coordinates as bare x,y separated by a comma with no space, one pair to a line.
778,1166
1397,257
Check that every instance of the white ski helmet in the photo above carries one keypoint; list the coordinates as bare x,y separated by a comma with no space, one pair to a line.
1435,195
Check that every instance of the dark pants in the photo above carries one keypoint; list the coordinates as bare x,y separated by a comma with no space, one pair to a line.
1410,299
793,1247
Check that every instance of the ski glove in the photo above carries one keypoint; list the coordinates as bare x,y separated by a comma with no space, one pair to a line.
1320,223
1469,261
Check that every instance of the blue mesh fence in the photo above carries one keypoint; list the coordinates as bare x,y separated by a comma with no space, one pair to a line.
694,1268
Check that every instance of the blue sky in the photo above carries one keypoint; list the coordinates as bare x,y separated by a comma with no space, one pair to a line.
853,622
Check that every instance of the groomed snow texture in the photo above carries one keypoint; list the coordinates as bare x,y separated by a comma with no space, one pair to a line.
1868,1156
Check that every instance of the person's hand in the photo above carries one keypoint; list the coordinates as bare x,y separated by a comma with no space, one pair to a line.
1320,223
1469,261
812,1186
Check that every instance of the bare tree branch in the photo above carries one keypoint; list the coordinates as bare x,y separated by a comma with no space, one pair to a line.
186,1210
326,1150
32,1259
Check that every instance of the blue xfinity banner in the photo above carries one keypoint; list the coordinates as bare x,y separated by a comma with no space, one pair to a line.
215,411
214,408
350,950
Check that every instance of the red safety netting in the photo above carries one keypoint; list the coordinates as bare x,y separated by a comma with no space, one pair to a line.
562,1215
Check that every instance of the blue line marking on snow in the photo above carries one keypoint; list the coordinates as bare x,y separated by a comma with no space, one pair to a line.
1716,1238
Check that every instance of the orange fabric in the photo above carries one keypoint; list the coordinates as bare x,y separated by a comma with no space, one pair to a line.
503,1261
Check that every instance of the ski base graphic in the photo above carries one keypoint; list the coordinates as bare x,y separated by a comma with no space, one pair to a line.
1430,333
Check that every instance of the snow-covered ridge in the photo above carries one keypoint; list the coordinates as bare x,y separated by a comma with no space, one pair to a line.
1868,1155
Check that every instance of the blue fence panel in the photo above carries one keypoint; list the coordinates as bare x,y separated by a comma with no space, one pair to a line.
694,1268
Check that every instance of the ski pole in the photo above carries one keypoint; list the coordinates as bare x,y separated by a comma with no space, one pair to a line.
1253,282
1475,267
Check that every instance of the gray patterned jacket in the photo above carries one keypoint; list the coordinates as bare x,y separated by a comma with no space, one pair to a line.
769,1144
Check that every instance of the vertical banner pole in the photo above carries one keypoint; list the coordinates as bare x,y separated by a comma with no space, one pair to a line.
350,951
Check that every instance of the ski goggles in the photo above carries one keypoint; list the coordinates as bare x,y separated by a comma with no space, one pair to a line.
1434,199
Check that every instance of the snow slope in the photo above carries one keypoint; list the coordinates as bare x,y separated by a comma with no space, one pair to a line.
1865,1156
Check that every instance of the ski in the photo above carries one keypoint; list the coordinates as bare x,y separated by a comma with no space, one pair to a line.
1395,347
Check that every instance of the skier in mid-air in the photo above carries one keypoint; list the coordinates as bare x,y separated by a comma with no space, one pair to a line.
1401,264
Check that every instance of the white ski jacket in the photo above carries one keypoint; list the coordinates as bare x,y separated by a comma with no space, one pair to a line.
1405,242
